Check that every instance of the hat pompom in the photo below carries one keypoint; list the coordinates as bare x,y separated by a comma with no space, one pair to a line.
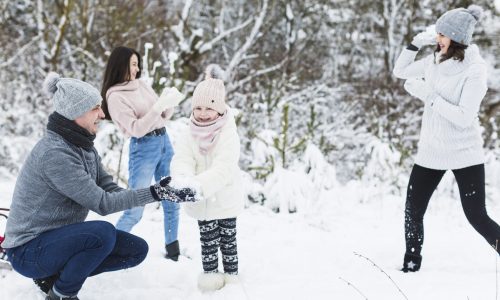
476,11
214,71
50,83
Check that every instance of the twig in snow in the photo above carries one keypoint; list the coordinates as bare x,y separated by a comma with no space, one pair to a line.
496,270
354,287
375,265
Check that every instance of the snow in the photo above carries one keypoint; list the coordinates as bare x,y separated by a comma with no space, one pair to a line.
289,12
172,57
299,256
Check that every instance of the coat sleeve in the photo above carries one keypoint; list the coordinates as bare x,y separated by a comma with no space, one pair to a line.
406,67
65,173
183,163
223,166
123,114
473,92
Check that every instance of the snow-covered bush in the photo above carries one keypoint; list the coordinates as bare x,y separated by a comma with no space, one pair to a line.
301,187
381,174
113,148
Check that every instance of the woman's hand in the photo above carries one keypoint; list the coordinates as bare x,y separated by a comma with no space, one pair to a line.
424,38
169,98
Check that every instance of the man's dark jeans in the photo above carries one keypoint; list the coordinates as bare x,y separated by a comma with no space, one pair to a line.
76,252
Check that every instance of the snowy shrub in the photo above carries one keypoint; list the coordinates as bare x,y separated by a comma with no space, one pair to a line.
287,191
380,176
264,156
113,148
253,190
301,187
320,172
14,150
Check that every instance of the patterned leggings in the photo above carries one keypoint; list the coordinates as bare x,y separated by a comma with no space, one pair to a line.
213,233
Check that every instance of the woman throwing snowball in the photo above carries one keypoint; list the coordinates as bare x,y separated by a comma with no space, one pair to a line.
452,83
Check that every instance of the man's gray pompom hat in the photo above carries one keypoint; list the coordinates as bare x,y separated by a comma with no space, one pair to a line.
458,24
72,97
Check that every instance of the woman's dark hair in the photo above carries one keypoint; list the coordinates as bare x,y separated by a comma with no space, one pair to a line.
117,71
455,51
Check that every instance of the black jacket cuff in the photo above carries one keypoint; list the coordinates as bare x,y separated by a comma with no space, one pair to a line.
412,47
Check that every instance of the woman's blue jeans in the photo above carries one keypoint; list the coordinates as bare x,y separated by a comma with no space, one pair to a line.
150,156
77,251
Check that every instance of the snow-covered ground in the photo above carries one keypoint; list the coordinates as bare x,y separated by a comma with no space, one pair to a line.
305,256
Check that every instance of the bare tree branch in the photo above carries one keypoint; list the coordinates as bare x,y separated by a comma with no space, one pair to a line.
63,23
254,74
208,45
251,38
20,52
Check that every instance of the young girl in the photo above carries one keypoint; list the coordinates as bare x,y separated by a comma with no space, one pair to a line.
207,156
452,90
141,114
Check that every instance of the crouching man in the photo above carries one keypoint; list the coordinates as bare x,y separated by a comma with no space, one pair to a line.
47,237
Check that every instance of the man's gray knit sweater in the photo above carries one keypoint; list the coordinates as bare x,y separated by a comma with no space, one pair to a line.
58,184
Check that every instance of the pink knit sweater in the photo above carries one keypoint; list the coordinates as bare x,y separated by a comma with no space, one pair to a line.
130,106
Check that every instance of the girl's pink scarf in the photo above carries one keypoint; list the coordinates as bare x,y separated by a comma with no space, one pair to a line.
207,133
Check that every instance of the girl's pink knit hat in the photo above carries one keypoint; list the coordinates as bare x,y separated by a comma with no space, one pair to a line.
211,92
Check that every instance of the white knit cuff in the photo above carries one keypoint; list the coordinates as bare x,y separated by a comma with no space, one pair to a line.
431,98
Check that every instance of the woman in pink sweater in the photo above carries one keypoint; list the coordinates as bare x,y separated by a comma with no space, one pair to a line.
141,115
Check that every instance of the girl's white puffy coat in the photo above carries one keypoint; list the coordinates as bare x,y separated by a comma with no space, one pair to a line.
217,173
